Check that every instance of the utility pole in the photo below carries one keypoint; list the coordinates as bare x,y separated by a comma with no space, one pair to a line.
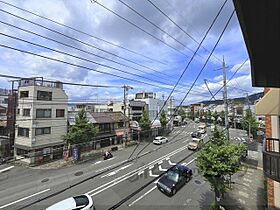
225,99
125,93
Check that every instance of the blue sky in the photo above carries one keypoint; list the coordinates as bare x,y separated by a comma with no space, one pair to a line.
193,16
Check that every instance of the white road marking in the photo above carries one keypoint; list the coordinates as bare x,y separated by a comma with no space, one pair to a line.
22,199
239,138
151,167
6,169
140,172
160,162
102,169
152,175
132,173
161,169
116,171
142,196
191,161
247,180
246,195
97,162
170,163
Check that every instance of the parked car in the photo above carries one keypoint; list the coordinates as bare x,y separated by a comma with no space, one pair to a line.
174,179
195,144
81,202
202,128
160,140
196,134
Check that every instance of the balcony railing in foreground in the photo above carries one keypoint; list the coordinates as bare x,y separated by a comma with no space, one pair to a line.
271,158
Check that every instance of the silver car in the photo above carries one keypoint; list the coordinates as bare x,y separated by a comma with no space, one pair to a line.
82,202
160,140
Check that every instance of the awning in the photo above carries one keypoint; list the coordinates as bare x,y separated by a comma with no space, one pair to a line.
270,103
119,133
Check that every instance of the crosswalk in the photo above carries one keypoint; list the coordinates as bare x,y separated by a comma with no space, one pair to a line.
237,138
182,132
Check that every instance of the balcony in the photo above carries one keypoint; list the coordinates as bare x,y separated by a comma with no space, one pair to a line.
39,82
271,158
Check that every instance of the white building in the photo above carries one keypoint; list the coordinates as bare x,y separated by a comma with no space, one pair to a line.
154,105
41,120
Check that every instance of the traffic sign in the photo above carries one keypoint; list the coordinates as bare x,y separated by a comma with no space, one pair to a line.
75,153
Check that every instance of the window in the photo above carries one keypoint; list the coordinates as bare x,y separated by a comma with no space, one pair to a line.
24,94
44,95
42,131
23,132
60,113
18,111
26,112
43,113
120,124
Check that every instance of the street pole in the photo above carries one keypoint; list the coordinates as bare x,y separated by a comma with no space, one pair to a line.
225,99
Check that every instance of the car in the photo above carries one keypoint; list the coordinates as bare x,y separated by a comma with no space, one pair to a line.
81,202
195,144
160,140
212,128
196,134
174,179
202,128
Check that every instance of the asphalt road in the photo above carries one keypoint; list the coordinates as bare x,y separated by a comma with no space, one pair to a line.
23,187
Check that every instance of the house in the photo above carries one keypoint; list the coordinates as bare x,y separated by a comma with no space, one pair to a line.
41,120
261,35
113,127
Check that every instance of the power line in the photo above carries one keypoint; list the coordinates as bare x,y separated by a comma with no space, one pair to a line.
77,40
65,83
141,29
76,48
80,58
185,32
83,67
187,66
209,89
82,32
152,23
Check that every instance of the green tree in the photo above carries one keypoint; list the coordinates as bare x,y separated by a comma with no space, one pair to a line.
145,122
82,131
163,119
182,113
217,160
190,115
196,114
250,118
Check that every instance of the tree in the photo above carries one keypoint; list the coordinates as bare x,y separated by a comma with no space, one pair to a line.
217,160
250,118
163,119
196,114
82,131
182,113
145,122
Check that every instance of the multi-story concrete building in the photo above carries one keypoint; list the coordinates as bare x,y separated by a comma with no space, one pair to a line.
154,104
41,120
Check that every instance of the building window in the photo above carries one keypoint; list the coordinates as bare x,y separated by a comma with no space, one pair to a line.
23,132
24,94
18,111
44,95
60,113
120,124
42,131
43,113
26,112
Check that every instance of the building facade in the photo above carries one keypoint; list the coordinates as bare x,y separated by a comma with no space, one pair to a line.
154,104
41,121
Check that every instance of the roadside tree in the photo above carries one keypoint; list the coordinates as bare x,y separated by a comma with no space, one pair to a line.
145,123
217,161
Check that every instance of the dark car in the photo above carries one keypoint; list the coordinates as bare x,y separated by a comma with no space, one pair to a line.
174,179
196,134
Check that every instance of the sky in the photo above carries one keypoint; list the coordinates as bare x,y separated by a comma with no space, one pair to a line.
119,47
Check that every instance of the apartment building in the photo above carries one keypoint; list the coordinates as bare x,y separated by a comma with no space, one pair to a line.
154,104
259,32
41,120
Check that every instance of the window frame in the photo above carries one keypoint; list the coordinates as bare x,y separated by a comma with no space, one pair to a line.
21,94
21,132
23,112
47,97
59,111
43,131
39,117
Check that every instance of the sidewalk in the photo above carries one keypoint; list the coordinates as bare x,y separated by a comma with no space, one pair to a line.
248,191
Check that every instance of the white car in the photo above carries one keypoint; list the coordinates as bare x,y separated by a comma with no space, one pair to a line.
160,140
82,202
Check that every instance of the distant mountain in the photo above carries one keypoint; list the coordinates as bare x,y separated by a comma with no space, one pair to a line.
252,99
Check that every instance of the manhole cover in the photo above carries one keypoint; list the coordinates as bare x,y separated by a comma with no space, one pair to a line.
79,173
45,180
197,182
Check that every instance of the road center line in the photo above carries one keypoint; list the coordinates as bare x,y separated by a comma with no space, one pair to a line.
129,174
22,199
6,169
142,196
